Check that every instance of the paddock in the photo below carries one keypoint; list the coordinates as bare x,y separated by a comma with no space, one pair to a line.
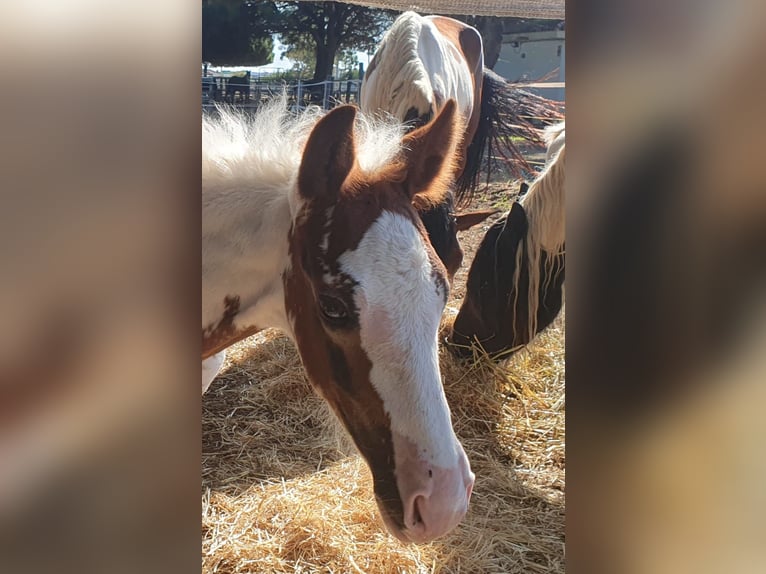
283,490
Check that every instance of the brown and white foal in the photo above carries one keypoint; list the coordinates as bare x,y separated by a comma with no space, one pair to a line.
311,227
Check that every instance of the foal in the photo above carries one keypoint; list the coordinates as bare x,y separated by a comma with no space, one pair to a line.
515,285
311,226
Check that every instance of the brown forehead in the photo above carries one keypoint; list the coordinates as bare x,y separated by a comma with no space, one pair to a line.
359,204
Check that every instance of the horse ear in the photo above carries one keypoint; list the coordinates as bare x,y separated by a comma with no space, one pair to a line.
515,228
467,220
329,154
523,189
430,157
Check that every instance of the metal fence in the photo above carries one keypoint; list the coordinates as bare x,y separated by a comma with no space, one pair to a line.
244,91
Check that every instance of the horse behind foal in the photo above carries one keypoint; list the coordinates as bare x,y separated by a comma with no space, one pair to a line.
515,284
421,63
309,226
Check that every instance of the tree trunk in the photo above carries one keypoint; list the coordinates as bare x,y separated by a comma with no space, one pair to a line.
327,41
325,59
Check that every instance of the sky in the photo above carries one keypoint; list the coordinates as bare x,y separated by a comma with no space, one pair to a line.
279,62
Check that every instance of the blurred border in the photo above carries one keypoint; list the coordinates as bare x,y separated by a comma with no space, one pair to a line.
665,314
99,286
99,275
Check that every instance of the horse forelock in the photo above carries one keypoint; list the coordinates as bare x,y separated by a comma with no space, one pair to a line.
399,80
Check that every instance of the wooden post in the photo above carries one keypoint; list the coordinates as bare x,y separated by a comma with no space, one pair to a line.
326,97
299,95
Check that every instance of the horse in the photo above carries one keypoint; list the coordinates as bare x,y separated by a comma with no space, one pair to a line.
515,284
238,83
310,225
421,63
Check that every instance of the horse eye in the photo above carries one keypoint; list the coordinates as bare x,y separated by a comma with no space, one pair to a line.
332,308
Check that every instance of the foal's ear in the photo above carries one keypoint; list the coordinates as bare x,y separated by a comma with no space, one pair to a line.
515,228
329,154
467,220
430,155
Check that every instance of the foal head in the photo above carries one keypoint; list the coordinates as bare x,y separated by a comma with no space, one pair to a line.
364,294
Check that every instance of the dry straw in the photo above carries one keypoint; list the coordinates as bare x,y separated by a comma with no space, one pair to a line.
283,490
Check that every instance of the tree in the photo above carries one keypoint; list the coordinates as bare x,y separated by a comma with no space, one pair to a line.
302,54
330,27
348,65
230,36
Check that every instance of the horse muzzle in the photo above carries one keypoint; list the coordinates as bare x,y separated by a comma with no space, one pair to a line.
434,499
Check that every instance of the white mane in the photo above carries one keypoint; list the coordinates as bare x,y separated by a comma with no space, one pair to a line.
553,136
544,202
263,151
416,66
400,80
544,207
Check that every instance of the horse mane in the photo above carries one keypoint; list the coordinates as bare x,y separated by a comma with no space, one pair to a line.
407,83
263,148
544,208
551,132
263,151
544,204
553,135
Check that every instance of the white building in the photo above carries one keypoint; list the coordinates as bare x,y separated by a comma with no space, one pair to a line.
531,56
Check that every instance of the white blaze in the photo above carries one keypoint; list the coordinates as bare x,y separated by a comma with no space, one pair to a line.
400,308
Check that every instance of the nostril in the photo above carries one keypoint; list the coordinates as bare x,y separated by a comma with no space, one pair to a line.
417,517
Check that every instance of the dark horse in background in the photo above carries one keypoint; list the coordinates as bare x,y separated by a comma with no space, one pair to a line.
238,83
423,61
515,286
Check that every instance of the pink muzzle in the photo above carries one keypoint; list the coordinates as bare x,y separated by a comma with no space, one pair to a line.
435,499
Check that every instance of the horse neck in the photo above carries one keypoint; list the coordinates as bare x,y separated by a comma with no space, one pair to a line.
245,252
544,206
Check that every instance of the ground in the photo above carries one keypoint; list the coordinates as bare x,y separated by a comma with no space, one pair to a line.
283,490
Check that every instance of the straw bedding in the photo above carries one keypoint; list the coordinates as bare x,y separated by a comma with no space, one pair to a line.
284,491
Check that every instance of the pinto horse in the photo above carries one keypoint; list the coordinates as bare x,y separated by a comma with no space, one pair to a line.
309,225
515,284
423,61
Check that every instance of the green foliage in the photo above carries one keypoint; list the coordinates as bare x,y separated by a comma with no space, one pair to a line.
348,65
326,29
303,54
316,34
230,35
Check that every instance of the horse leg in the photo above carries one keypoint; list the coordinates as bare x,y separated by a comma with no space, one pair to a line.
210,368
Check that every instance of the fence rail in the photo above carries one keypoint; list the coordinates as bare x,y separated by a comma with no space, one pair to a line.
243,91
246,92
